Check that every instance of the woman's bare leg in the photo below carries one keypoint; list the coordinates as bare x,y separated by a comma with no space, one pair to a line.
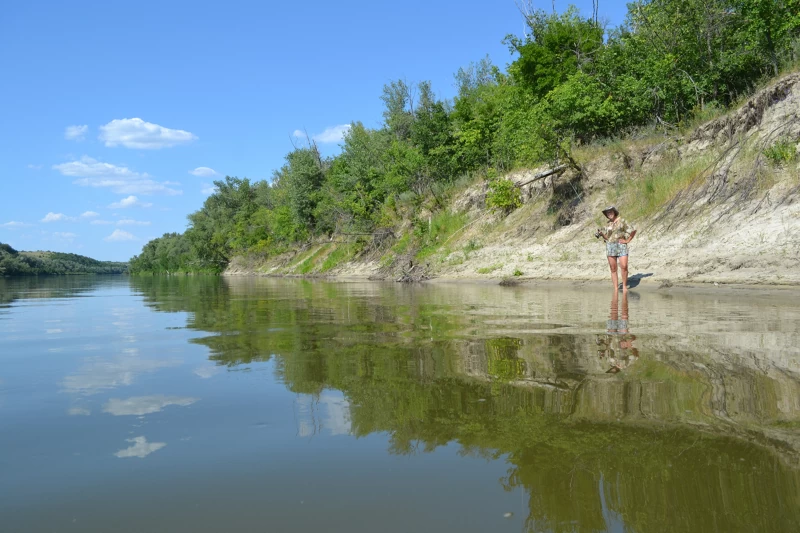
612,263
613,315
623,265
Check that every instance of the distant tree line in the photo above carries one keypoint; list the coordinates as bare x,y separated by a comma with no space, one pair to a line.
15,263
571,81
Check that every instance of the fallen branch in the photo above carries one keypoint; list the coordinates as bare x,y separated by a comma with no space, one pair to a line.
372,234
542,175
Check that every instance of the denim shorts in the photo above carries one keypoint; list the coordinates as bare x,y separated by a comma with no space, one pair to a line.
615,327
615,249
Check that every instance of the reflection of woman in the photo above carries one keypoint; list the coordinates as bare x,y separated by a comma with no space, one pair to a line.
617,345
617,234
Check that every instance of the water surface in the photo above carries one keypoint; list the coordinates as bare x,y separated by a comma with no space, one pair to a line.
208,404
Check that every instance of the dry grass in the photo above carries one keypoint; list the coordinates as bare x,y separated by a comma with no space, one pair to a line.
489,269
645,193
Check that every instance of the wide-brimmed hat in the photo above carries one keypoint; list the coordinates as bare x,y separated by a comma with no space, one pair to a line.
611,208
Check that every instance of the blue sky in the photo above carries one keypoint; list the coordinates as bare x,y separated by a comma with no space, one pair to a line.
118,116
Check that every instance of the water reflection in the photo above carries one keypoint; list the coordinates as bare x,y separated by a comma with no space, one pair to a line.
519,376
144,405
34,288
696,430
327,411
98,374
616,346
206,372
140,448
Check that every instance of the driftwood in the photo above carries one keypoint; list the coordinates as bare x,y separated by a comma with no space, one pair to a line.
543,175
410,276
372,233
379,238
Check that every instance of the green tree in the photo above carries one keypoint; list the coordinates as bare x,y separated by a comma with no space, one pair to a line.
559,45
398,113
432,134
304,175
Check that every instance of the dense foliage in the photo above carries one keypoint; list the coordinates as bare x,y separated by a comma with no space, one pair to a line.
571,81
15,263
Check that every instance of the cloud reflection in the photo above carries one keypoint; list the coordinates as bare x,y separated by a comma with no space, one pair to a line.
144,405
141,448
329,411
338,411
99,374
206,372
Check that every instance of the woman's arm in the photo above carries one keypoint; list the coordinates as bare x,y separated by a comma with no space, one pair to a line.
629,239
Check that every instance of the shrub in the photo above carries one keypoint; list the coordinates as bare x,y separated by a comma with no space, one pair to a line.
782,151
503,195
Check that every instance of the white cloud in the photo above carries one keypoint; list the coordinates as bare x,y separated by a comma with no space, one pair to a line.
208,190
57,217
204,172
130,201
120,236
15,224
136,133
101,222
131,222
75,133
333,134
88,167
144,405
35,167
330,135
122,180
90,214
78,411
141,448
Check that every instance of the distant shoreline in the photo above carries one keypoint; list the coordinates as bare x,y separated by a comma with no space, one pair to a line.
16,263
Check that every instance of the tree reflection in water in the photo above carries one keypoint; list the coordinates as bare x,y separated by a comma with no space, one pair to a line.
684,440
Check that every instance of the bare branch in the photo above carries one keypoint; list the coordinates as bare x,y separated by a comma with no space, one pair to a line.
542,175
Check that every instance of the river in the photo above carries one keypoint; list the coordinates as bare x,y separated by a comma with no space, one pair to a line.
202,404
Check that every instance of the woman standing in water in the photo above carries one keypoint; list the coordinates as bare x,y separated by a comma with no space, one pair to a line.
617,234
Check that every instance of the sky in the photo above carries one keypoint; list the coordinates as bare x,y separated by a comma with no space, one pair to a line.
117,117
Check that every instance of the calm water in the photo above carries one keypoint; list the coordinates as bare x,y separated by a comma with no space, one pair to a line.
244,405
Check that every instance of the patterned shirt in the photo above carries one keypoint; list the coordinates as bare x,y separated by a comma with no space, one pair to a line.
619,229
